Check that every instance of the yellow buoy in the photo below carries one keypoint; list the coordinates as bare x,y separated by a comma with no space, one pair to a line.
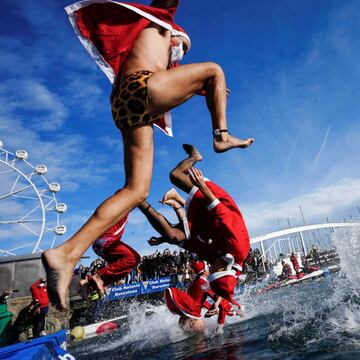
77,333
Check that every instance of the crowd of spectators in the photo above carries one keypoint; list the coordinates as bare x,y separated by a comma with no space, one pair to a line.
154,266
176,264
253,266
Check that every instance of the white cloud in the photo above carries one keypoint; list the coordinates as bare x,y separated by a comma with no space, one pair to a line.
43,107
328,201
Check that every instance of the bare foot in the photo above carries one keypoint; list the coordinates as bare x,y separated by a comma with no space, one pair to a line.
173,203
99,283
59,272
192,151
226,142
153,241
172,194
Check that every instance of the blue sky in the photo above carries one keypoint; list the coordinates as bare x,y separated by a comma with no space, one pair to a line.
293,70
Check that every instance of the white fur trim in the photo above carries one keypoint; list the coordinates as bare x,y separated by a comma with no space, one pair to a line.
228,258
237,266
168,124
215,203
219,274
200,239
88,45
122,226
186,207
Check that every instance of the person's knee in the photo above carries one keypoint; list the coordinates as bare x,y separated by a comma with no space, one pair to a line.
174,176
215,69
137,194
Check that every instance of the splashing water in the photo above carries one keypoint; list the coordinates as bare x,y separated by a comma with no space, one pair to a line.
319,319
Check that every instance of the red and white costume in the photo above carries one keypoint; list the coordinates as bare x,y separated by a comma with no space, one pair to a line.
189,303
295,263
121,258
39,292
108,29
225,309
215,229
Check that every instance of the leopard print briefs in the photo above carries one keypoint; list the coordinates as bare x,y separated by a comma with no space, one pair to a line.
130,102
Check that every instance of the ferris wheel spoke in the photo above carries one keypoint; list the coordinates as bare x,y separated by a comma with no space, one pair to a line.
22,246
30,212
12,192
7,252
24,197
16,181
48,204
8,222
53,242
29,229
31,175
7,171
46,196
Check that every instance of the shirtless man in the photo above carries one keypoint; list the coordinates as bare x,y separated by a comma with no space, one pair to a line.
161,89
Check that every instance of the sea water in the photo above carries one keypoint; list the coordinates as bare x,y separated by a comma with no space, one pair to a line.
319,319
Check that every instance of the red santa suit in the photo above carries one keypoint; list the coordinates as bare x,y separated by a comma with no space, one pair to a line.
121,258
295,263
188,303
108,29
39,292
225,309
216,229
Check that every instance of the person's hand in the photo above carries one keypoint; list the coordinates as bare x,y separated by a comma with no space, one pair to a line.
37,311
211,312
196,177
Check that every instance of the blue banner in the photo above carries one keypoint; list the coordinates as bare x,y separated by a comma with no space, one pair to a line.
148,287
126,290
157,285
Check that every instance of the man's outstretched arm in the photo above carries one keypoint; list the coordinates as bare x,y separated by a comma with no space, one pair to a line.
164,4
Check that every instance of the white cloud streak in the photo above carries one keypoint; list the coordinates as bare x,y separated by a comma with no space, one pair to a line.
337,199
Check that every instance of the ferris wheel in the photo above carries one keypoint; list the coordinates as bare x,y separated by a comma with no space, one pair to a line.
29,211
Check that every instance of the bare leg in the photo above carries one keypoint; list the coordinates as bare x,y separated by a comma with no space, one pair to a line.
179,175
172,234
170,88
59,262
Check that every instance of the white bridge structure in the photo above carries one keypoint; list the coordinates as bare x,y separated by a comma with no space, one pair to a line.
292,239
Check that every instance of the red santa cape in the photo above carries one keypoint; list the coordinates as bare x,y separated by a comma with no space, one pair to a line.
108,29
181,303
190,303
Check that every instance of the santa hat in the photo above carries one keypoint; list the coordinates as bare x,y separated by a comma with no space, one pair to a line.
179,31
198,267
223,284
232,265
